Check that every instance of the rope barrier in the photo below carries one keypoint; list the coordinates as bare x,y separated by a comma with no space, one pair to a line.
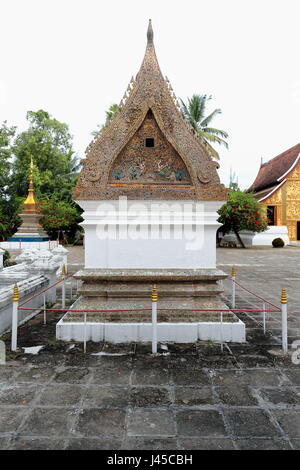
45,290
257,296
148,309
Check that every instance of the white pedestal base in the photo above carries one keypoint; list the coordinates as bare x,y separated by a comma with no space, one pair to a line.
142,332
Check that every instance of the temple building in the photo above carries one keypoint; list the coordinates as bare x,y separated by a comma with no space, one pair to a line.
150,192
277,186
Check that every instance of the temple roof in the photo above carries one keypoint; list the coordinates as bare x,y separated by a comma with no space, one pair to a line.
272,173
183,170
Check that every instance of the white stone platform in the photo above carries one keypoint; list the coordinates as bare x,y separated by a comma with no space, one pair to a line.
142,332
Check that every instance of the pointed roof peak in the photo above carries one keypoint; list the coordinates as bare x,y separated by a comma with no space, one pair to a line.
150,33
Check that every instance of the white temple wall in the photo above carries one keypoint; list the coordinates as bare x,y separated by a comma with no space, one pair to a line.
150,234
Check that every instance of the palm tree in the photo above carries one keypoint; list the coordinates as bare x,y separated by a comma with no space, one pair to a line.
194,112
110,115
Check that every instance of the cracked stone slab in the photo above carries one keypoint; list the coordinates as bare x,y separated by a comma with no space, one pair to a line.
142,443
186,377
105,396
150,376
289,420
7,374
200,423
253,377
236,396
10,419
293,375
72,375
113,376
93,444
48,422
254,422
61,395
149,396
101,422
262,444
36,374
29,443
281,396
150,423
19,394
206,444
193,396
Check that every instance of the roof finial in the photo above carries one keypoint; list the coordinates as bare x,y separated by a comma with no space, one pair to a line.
150,33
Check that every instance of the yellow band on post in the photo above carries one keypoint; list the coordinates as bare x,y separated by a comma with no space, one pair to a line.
154,296
63,270
16,296
283,299
233,271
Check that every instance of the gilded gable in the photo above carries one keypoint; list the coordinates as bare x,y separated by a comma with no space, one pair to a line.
148,157
149,151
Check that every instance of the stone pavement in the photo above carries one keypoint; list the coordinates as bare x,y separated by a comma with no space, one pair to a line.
190,396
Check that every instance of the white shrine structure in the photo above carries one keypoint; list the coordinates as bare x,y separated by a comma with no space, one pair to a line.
150,193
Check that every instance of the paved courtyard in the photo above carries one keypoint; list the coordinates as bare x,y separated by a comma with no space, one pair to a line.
190,396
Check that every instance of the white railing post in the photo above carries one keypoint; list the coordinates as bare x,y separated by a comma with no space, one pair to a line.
63,287
14,323
154,298
283,301
44,301
71,283
221,331
233,274
264,317
84,338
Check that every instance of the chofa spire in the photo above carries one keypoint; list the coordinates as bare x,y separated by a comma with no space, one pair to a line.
150,33
30,203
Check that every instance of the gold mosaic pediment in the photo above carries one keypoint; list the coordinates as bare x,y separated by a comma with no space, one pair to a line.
177,166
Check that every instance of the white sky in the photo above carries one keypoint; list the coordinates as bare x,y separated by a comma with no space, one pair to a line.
74,58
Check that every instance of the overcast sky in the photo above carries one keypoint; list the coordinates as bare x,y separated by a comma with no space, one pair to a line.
73,58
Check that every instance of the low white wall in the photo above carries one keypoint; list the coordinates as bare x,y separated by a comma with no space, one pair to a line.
47,245
27,289
259,239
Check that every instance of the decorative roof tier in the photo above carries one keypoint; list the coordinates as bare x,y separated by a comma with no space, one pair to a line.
272,174
149,151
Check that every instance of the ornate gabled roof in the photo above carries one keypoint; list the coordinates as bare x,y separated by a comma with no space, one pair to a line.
271,174
149,151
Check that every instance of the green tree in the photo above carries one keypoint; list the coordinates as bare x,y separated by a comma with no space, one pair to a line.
59,216
195,113
242,212
49,143
6,136
110,115
9,202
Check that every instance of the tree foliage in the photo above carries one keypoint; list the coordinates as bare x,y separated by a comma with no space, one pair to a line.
49,144
195,112
55,169
242,212
9,202
112,112
58,216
